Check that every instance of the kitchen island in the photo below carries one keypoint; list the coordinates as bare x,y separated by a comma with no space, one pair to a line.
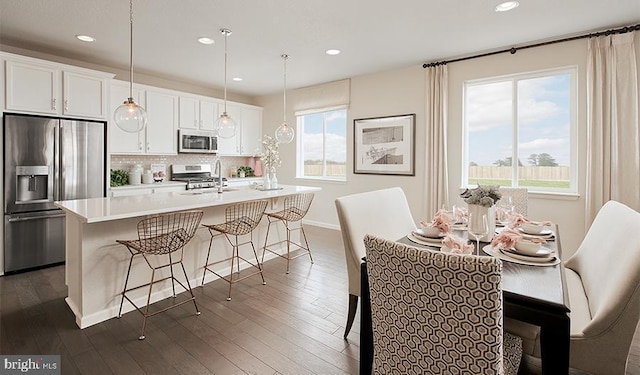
96,265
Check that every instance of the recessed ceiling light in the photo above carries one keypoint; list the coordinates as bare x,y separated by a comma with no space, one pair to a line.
237,79
205,40
332,52
507,5
86,38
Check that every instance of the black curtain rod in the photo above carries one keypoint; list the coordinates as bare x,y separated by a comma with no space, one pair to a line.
512,50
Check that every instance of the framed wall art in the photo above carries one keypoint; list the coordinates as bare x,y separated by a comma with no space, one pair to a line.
384,145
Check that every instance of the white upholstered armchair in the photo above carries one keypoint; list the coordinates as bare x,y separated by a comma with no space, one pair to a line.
603,282
383,212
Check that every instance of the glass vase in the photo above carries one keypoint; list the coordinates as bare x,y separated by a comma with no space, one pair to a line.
273,178
266,181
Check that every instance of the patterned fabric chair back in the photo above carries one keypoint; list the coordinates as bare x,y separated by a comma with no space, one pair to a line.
519,198
434,312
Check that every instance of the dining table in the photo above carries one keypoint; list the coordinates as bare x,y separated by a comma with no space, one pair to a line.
532,294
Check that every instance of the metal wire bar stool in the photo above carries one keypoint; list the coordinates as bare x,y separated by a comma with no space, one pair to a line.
295,208
241,219
161,235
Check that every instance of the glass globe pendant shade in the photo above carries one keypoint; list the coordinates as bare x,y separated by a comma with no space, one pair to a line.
130,117
284,133
225,126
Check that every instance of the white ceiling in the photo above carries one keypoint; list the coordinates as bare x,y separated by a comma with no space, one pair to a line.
373,35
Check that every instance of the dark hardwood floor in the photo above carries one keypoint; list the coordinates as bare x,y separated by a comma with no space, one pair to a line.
292,325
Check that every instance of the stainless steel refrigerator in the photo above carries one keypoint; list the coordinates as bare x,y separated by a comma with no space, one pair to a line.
45,160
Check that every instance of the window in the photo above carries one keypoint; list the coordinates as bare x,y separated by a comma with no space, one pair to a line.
322,145
529,118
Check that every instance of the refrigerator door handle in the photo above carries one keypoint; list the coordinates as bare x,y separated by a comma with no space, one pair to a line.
56,164
30,218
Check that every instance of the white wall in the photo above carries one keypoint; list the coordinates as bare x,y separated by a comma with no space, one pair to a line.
389,93
402,92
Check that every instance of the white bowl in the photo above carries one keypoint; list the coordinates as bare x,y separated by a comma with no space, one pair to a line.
532,228
428,230
527,247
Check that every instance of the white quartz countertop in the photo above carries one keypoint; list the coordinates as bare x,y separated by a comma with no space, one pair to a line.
114,208
155,184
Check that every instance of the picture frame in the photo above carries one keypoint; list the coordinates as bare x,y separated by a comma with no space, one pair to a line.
384,145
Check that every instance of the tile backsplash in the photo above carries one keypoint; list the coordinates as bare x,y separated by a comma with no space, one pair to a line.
126,162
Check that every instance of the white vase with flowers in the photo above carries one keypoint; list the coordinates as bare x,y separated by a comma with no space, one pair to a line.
270,158
481,202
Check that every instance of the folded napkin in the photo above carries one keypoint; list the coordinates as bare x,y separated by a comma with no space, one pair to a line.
457,245
441,220
506,239
519,219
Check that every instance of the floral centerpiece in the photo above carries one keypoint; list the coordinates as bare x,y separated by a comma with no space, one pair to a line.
270,160
483,195
481,201
270,156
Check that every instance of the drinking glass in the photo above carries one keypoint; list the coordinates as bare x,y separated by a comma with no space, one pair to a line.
508,209
478,227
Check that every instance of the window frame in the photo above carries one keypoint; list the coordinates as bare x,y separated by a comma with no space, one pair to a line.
299,143
572,71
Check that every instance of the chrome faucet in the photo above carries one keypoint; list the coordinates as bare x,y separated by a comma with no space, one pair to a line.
218,170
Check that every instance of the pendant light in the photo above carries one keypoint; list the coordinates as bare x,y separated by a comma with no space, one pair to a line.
284,132
225,126
129,116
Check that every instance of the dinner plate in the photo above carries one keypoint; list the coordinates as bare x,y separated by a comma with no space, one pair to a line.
520,260
544,232
420,234
437,242
527,258
542,252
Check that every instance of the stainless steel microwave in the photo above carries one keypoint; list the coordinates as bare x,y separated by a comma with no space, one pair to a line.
197,142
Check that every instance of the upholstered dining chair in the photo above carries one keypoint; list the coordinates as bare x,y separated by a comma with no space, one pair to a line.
603,283
519,198
383,212
434,312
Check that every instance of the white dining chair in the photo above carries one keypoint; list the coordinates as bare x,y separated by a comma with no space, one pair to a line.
437,313
383,212
603,283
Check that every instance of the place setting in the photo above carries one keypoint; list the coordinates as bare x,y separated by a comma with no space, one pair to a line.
437,234
511,245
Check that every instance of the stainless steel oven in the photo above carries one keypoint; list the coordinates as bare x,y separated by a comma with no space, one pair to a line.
195,141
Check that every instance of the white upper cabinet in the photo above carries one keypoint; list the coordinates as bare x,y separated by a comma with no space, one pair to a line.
43,87
251,131
84,96
197,113
162,118
159,137
208,114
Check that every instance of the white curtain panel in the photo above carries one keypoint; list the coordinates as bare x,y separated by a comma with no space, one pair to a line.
613,142
437,185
